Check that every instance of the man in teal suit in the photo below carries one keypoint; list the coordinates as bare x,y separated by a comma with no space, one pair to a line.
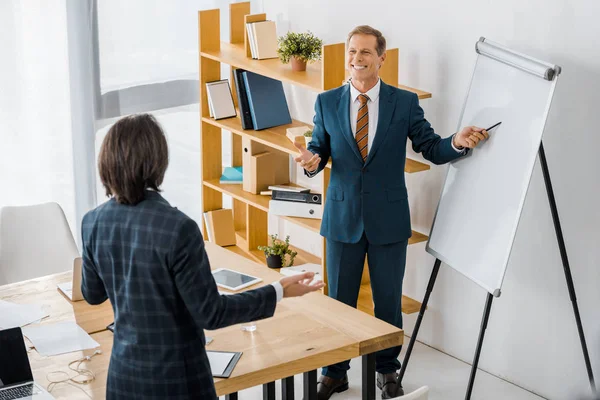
363,126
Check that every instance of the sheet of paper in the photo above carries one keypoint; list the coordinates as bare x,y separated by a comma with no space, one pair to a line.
299,269
18,315
219,361
64,337
66,288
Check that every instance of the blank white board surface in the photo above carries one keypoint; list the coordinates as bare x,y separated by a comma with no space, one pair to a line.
483,194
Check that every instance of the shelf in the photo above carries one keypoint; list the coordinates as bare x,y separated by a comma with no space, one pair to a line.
365,302
235,55
262,202
239,251
237,192
417,237
276,138
308,223
302,257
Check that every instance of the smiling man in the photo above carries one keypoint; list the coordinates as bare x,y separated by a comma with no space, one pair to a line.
364,127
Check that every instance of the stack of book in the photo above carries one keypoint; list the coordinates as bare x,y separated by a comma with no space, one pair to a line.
293,201
261,100
262,37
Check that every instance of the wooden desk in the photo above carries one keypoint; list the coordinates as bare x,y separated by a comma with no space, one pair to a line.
43,292
305,334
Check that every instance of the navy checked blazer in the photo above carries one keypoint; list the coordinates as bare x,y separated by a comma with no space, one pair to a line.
149,260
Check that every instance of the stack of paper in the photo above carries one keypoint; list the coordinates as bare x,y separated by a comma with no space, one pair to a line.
18,315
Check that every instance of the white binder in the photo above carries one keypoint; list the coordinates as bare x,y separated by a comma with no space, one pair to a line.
295,209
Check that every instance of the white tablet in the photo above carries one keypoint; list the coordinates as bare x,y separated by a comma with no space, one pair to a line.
233,280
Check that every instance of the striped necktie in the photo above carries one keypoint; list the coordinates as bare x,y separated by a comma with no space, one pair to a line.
362,127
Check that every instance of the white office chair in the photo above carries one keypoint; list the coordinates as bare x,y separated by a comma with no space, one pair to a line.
34,241
420,394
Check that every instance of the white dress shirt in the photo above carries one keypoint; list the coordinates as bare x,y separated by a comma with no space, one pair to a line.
373,107
278,290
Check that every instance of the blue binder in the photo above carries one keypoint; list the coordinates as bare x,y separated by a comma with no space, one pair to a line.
267,101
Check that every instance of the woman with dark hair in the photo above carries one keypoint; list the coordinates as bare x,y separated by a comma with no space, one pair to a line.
149,259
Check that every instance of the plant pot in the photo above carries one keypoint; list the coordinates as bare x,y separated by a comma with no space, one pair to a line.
307,139
298,64
274,261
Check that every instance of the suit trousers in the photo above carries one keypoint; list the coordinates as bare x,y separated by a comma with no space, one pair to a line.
345,263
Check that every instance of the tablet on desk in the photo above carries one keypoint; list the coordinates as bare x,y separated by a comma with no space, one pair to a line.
233,280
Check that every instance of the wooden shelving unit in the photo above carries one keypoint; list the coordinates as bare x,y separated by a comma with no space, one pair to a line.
250,211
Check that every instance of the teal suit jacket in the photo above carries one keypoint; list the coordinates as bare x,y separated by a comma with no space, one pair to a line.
371,197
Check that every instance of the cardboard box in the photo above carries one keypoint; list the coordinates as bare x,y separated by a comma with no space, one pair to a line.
263,166
219,227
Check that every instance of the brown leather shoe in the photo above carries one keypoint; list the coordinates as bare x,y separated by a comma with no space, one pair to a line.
328,386
389,385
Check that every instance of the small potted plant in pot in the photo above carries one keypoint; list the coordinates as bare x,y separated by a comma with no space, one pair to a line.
308,136
300,48
277,251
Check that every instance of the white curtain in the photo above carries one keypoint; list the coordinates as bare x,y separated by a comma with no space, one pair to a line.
149,63
66,63
36,150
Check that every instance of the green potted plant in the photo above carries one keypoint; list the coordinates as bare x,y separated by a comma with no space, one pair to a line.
300,48
277,251
308,136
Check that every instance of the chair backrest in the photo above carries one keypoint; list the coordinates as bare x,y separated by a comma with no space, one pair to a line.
34,241
421,393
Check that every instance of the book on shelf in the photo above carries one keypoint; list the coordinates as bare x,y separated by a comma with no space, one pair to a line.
232,175
240,88
251,40
266,98
220,100
263,39
289,188
219,227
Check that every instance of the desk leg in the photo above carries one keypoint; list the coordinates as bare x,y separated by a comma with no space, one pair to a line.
287,388
310,385
368,377
231,396
269,391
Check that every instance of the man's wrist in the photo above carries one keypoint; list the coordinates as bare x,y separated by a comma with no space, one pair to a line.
456,146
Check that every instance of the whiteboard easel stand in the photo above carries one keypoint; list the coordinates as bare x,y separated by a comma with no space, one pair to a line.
490,296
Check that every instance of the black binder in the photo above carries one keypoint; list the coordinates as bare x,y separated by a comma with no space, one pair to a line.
240,87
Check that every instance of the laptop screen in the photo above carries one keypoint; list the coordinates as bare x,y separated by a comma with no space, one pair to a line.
14,364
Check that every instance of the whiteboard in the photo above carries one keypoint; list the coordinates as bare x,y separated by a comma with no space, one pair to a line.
483,194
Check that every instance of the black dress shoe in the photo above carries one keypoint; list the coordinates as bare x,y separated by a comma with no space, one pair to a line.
389,385
328,386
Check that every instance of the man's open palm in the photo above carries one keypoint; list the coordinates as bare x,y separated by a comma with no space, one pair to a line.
307,159
300,284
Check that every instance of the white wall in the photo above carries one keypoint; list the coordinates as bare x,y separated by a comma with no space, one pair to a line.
532,338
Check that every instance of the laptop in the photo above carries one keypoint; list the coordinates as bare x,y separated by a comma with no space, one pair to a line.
72,290
16,379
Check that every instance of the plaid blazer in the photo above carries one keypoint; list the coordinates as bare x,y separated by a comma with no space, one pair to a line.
149,260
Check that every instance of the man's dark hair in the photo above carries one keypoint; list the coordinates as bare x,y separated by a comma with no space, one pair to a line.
134,157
